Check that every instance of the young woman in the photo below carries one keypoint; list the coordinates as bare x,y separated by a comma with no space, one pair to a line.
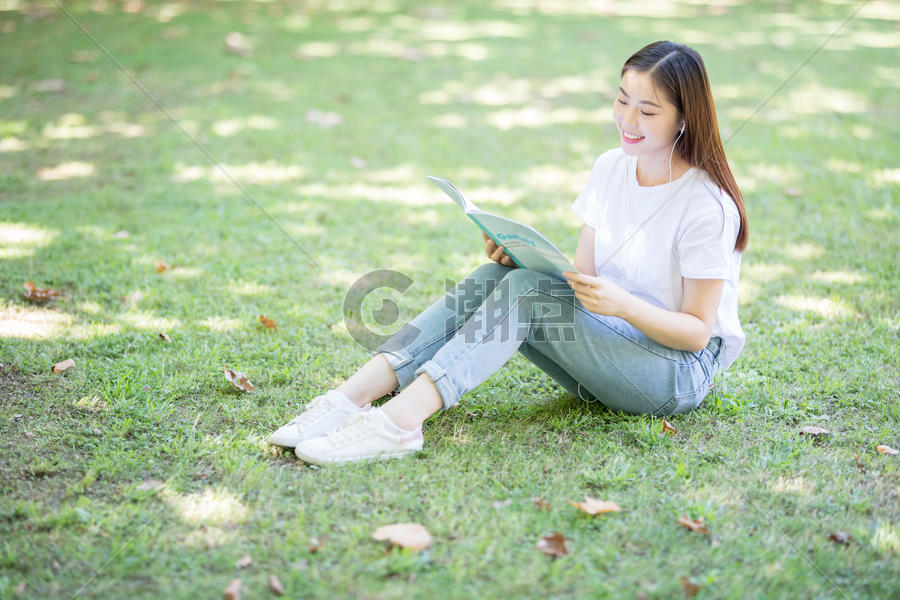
652,314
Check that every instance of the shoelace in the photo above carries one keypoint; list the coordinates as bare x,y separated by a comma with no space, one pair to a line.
351,430
315,409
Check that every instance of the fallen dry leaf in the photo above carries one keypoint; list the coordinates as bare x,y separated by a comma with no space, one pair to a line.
267,322
233,589
313,545
238,380
243,562
62,366
883,449
841,537
39,296
667,428
236,43
275,585
554,545
165,337
542,504
162,265
150,484
405,535
689,587
697,525
813,430
592,506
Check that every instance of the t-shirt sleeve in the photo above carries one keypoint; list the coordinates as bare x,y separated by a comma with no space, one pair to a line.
706,245
585,205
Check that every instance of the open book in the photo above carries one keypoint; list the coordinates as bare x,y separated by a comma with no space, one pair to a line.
523,244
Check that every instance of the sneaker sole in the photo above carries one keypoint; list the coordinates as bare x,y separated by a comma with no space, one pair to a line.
335,461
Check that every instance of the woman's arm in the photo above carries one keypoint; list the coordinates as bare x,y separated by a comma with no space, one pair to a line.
688,329
584,253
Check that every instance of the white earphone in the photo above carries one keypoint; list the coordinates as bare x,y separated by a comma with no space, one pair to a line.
680,133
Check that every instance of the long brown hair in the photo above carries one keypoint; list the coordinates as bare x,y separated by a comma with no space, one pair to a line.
679,72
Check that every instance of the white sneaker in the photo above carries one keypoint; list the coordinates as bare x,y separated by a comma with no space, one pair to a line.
323,414
365,435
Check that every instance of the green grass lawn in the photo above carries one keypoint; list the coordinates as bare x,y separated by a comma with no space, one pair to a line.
512,102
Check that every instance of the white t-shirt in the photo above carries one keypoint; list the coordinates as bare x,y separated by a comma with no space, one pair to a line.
647,238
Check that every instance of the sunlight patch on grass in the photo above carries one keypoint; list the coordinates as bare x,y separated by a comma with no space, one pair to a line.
825,307
69,126
536,117
229,127
804,251
839,277
220,323
791,485
32,323
553,178
8,91
66,170
209,507
254,173
838,165
150,322
764,272
18,240
248,288
12,144
884,177
815,98
887,538
311,50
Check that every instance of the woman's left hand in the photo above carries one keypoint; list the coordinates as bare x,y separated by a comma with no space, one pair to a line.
599,295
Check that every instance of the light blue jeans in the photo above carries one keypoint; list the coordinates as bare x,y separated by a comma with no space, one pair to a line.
467,335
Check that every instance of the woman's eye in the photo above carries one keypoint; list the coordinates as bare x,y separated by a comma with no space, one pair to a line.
646,114
622,101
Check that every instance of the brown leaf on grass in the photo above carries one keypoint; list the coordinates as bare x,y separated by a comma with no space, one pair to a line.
667,428
697,525
39,296
813,430
162,265
243,562
150,484
236,43
554,545
62,366
542,504
313,545
841,537
405,535
238,380
165,337
233,589
592,506
267,322
275,585
689,587
883,449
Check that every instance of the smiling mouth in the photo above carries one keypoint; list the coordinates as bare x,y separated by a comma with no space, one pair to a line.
631,138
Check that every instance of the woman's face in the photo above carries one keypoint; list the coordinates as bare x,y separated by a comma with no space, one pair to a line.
648,122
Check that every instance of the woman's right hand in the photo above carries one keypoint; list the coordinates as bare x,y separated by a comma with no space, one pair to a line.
497,253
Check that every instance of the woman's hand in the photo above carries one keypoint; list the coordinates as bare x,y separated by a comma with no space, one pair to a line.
599,295
497,253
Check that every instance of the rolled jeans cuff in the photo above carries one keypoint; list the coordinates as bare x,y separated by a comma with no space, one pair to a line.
437,373
402,363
